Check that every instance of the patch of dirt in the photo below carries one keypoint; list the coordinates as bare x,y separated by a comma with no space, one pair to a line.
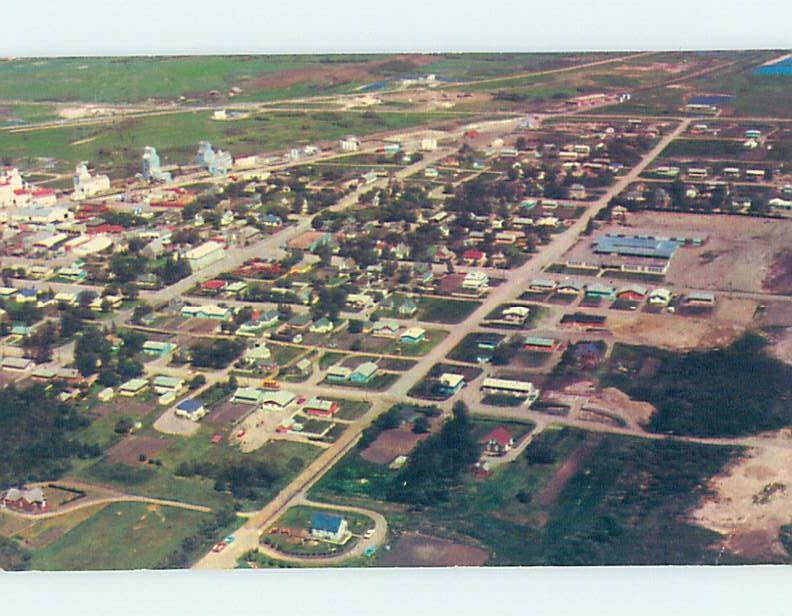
227,414
549,494
750,504
391,443
127,450
779,277
417,550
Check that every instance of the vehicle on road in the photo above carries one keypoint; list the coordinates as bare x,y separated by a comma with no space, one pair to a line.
219,546
368,534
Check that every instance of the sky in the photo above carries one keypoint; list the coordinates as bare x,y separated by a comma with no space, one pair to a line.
102,27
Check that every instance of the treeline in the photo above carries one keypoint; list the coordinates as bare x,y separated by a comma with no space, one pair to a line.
13,557
249,480
437,463
36,436
723,392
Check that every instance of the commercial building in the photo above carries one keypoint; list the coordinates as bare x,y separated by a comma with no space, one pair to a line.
215,162
510,387
204,255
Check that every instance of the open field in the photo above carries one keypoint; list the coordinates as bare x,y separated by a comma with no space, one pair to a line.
120,536
417,550
116,147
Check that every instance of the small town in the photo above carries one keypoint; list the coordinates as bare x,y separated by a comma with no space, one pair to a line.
396,310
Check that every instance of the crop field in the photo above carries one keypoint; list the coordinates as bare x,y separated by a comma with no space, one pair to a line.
120,536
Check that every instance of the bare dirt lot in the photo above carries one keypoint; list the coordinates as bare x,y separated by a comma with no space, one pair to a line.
736,256
123,406
752,500
199,326
227,414
674,331
127,450
169,423
391,443
779,278
416,550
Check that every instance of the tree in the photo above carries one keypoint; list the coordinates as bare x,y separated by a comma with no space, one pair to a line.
420,425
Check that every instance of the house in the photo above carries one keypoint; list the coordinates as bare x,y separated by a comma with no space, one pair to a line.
247,395
16,364
659,297
276,400
475,281
582,319
385,328
214,286
157,348
407,308
321,408
106,394
633,293
167,384
208,311
322,326
599,291
29,500
413,335
7,292
537,344
258,353
450,383
329,527
472,256
304,366
363,373
191,409
498,442
338,374
133,387
516,314
542,285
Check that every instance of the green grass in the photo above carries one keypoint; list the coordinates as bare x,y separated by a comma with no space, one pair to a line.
450,311
116,147
120,536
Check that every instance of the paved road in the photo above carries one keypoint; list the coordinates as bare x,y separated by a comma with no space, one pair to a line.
519,279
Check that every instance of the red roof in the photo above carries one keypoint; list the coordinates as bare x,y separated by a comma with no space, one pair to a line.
43,192
472,253
500,435
106,228
214,284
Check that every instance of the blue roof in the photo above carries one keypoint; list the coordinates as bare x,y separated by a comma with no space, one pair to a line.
28,292
189,405
326,522
636,246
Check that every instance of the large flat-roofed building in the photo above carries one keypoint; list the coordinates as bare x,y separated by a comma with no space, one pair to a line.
204,255
635,246
510,387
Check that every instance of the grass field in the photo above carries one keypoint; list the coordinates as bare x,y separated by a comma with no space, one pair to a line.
120,536
117,146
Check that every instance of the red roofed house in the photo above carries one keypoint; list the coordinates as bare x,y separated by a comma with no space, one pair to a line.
498,442
474,257
31,500
322,408
214,285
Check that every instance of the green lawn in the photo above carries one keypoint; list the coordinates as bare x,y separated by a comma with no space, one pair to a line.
120,536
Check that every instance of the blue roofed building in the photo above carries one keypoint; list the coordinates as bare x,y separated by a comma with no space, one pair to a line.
329,527
191,409
635,246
